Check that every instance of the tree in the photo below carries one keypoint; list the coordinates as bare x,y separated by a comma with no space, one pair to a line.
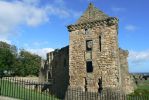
6,60
30,63
12,48
8,55
22,64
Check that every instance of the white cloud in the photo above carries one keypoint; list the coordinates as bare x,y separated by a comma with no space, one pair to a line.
41,52
29,12
5,40
130,27
139,57
13,14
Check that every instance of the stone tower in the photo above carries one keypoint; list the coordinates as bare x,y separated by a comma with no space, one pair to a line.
94,61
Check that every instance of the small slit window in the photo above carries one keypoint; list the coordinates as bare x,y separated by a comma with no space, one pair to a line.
89,66
99,43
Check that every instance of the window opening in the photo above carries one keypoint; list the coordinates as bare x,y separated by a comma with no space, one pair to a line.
89,45
89,66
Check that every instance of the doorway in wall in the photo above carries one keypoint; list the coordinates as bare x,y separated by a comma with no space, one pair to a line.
100,85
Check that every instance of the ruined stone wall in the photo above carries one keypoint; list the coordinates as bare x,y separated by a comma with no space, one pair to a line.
105,61
58,70
43,71
127,81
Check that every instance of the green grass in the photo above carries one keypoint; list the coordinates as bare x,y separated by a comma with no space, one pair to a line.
141,93
15,90
142,88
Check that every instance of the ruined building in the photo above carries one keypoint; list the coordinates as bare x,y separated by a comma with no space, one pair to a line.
93,60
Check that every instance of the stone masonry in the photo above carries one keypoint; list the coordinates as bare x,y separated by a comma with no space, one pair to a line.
100,32
56,71
94,60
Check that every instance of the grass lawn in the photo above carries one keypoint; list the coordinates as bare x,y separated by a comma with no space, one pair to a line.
16,90
144,85
142,88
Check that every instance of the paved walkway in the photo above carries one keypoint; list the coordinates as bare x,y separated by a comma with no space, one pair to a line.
7,98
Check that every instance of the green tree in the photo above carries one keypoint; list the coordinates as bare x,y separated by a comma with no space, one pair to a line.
12,48
30,63
22,64
7,60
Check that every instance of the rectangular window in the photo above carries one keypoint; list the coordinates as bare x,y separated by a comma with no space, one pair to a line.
89,45
89,66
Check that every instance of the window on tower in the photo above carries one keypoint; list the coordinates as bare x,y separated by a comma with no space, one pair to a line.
89,45
89,66
86,31
100,43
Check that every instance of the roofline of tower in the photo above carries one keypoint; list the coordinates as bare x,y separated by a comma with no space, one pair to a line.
91,14
105,22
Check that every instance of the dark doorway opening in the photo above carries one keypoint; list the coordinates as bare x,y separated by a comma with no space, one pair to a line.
85,84
100,85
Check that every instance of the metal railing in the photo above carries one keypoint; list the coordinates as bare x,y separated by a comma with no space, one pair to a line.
29,90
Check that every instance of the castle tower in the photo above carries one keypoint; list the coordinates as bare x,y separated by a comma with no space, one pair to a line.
94,52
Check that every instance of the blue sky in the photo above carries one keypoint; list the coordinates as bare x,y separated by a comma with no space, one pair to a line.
40,25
